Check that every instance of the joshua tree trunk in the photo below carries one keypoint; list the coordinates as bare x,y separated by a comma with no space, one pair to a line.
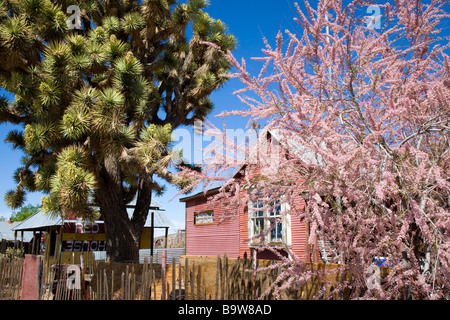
122,232
122,244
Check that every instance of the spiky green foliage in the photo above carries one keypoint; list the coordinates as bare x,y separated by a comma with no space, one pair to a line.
98,104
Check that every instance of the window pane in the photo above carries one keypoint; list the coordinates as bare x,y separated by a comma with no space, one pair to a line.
204,218
275,208
258,226
276,234
258,205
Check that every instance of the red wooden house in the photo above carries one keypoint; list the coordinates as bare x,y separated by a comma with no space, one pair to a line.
207,235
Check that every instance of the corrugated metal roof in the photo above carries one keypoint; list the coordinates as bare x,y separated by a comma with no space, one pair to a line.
162,220
39,220
6,232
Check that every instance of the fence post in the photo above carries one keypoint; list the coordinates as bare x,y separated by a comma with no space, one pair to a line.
173,278
216,289
179,280
186,278
199,279
164,259
193,282
30,277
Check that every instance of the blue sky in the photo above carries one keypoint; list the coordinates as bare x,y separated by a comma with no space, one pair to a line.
249,21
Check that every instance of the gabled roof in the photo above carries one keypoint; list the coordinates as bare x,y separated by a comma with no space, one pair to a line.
6,232
282,138
200,194
40,220
305,154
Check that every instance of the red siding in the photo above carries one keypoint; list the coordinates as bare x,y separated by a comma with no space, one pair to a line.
298,231
231,237
210,239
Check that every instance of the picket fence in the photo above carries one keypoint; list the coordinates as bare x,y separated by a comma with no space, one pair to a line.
10,278
181,281
189,279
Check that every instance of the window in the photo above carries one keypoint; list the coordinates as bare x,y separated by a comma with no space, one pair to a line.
206,217
262,219
276,234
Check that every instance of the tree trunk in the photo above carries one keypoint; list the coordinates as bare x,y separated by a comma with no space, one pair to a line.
122,244
122,233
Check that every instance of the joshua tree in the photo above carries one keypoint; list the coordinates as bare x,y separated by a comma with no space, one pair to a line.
98,86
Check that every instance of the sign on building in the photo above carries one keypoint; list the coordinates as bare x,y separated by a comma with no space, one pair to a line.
83,236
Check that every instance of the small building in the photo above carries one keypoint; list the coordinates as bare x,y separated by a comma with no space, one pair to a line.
207,234
8,239
64,240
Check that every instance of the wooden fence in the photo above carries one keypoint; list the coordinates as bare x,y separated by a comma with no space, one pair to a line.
196,279
68,281
186,279
10,278
147,281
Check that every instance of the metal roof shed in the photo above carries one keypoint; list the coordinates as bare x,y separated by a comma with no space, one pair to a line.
8,238
6,232
38,222
157,219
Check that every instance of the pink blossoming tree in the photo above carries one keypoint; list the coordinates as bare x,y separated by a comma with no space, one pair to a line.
361,105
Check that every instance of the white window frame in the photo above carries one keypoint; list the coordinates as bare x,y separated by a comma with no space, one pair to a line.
255,218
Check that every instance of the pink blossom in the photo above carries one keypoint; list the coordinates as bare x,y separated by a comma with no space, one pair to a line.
364,116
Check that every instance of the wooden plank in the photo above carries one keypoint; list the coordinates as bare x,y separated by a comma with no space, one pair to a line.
153,280
199,278
133,285
231,281
237,280
122,286
112,283
271,276
2,276
186,279
216,287
204,287
257,286
105,281
227,278
179,281
173,278
221,276
264,282
193,282
154,283
142,282
163,284
244,289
